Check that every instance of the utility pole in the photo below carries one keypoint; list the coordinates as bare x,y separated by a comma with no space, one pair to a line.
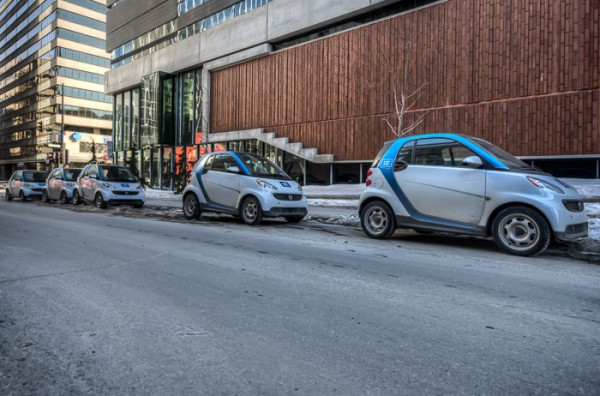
62,124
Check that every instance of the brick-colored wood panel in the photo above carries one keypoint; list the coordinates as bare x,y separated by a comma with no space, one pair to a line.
523,74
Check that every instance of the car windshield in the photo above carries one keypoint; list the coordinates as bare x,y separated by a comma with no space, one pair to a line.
34,176
117,174
506,158
262,167
71,174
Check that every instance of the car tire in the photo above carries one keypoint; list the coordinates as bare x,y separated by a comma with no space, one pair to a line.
99,201
22,196
521,231
76,200
138,206
250,211
45,196
377,220
63,198
294,219
191,206
7,196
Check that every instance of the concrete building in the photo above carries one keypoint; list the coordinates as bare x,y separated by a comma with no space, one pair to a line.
52,65
310,84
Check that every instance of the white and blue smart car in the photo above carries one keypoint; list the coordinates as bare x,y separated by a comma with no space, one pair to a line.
245,185
459,184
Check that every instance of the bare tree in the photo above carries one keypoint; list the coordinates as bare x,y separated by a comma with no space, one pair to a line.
405,100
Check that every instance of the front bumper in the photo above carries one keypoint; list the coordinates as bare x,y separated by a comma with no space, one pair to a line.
32,192
285,204
572,232
133,197
277,212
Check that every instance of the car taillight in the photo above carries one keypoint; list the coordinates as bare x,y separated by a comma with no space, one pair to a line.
368,181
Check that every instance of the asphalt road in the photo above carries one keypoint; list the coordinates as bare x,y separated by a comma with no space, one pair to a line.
115,302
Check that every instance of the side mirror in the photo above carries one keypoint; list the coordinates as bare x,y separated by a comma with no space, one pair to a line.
400,166
473,162
233,169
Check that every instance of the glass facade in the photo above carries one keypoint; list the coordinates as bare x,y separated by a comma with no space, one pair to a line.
169,33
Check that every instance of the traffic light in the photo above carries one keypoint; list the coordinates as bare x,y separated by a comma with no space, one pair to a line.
40,126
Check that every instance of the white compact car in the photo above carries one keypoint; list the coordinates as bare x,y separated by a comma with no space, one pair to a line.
108,185
60,184
245,185
25,184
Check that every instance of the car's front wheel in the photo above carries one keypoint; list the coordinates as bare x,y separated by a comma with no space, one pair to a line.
191,206
63,198
7,196
251,211
45,196
76,200
521,231
22,196
99,201
377,220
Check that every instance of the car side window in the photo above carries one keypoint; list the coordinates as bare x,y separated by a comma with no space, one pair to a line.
222,162
405,153
441,152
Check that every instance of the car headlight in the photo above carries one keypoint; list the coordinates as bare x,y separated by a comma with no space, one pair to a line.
265,185
139,187
299,188
108,185
542,184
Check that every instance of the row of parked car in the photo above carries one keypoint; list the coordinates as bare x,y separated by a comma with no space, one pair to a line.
101,185
429,183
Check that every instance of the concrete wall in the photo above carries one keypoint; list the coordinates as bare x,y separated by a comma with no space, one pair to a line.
275,21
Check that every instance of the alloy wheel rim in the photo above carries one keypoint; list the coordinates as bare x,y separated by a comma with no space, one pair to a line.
250,210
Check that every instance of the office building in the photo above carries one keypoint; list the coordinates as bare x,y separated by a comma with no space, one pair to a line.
311,83
52,102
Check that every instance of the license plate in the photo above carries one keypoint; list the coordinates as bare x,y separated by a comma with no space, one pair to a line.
124,185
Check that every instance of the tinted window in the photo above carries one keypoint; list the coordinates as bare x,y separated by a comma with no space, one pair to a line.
114,173
261,166
34,176
222,162
441,152
71,174
405,153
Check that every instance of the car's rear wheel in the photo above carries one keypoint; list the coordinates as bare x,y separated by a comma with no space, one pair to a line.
521,231
377,220
63,198
251,211
22,196
191,206
76,200
294,219
7,196
99,201
45,196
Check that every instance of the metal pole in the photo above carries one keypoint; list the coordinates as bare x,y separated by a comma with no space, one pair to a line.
62,122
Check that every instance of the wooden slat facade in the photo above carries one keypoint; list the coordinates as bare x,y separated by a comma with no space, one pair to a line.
524,74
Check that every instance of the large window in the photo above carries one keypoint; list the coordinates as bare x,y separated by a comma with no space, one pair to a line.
149,107
82,20
118,124
187,108
87,95
127,120
83,57
90,5
81,38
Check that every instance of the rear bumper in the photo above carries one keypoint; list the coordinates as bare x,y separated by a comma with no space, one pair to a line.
572,232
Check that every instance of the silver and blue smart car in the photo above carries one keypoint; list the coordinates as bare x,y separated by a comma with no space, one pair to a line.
245,185
105,185
465,185
25,184
60,184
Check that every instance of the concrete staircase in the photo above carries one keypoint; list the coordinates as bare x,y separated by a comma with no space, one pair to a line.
309,154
